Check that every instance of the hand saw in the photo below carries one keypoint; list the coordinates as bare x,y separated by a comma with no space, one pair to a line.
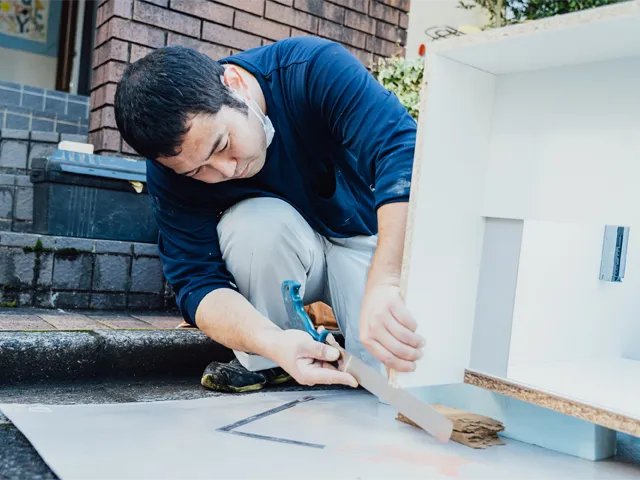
420,413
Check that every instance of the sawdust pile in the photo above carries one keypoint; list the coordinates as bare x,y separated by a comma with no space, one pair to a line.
475,431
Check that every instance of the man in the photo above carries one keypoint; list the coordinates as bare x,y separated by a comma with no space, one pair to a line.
285,162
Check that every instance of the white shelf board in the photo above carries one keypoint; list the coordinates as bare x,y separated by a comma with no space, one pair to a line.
591,35
612,384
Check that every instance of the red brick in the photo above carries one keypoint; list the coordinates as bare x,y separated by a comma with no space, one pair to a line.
403,5
214,51
166,19
382,12
292,17
288,3
229,36
73,322
126,148
105,140
122,322
23,322
103,96
359,5
138,52
341,34
252,6
205,9
404,20
299,33
129,31
105,117
109,72
360,22
382,47
113,8
266,42
320,8
260,26
391,33
112,50
365,57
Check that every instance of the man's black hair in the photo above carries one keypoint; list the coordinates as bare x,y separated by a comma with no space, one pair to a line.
159,93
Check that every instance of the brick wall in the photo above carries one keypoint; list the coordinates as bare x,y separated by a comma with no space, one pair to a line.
129,29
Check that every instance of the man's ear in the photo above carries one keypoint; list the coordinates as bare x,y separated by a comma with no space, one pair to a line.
233,78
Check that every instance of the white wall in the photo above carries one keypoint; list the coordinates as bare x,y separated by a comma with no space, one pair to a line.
429,13
27,68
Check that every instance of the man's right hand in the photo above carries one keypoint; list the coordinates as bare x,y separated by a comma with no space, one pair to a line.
306,360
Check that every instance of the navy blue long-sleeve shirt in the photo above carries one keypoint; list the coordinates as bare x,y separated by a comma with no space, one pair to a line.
343,146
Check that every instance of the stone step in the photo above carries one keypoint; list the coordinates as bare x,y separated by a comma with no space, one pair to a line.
40,345
78,273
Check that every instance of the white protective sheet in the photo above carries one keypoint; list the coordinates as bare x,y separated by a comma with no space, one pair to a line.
333,435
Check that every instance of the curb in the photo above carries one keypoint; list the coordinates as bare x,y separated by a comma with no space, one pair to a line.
66,355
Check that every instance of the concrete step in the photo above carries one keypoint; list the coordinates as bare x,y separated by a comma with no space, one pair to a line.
40,345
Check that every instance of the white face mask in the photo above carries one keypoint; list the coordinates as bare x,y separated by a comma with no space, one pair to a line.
269,131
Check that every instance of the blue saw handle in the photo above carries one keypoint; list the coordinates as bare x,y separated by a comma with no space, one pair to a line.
295,311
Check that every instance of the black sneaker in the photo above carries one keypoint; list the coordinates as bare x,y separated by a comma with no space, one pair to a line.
234,377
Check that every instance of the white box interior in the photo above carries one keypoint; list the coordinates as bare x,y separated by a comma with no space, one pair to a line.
543,130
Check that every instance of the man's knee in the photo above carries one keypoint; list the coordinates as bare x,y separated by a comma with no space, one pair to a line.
262,227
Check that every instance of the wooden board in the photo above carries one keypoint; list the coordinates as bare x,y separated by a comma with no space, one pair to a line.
470,429
558,403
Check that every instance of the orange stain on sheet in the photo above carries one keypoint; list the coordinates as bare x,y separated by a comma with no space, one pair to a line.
447,465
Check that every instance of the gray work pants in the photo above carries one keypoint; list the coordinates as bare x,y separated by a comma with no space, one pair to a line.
265,241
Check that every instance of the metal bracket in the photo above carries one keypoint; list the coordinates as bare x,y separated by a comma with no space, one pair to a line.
614,253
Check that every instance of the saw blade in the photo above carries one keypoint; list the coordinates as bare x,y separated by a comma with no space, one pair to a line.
420,413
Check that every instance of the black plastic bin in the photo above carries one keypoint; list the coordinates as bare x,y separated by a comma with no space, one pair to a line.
91,196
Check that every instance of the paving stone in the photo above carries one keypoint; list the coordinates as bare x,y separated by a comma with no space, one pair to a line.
70,300
6,201
41,150
23,181
122,322
150,249
14,134
24,204
80,244
108,301
111,273
50,137
162,322
73,322
112,246
146,302
147,275
12,239
44,269
13,154
72,272
7,179
23,322
21,226
16,267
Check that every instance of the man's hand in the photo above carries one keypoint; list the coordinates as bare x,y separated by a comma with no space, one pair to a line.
307,360
387,328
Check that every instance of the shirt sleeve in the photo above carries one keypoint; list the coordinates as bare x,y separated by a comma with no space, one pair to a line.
372,124
189,248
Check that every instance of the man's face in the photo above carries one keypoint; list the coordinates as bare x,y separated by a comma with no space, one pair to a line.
230,145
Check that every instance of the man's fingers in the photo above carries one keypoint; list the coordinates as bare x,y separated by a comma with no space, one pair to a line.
401,313
403,334
328,375
397,348
320,351
389,359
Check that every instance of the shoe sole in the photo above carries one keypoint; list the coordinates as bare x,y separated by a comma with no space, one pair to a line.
207,383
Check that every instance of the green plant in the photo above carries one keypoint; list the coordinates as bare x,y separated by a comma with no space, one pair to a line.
503,12
403,78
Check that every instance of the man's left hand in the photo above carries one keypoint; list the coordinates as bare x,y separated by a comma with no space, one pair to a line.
387,328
